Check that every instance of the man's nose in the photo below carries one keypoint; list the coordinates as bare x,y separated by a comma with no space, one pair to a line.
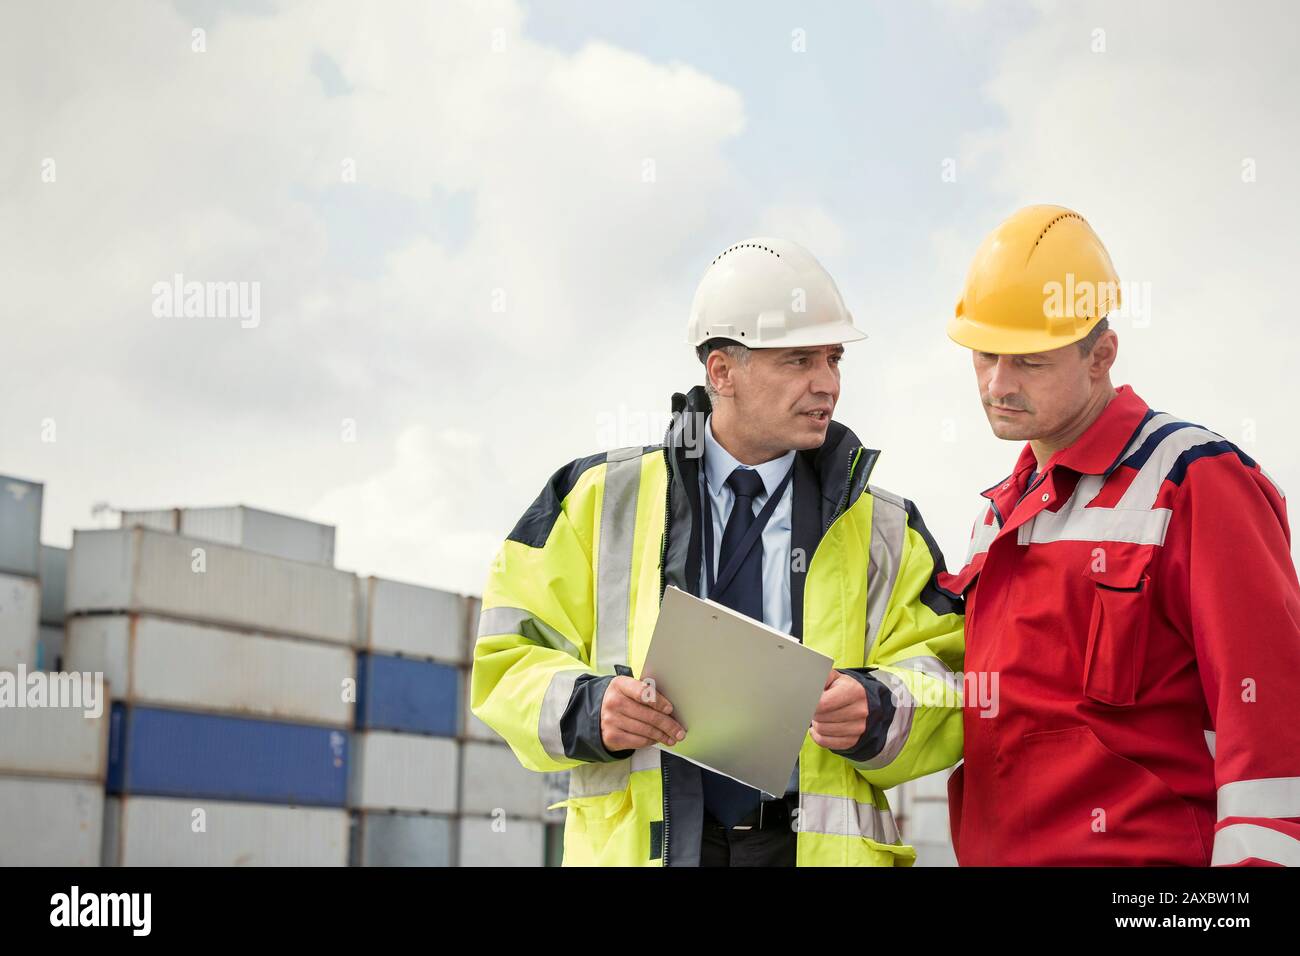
1002,380
825,382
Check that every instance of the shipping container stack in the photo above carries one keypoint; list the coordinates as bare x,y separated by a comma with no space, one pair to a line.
227,639
921,812
52,756
406,767
504,817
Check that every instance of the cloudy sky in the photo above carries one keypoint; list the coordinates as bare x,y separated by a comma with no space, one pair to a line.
476,229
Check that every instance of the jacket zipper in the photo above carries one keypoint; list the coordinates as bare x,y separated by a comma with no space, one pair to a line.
663,579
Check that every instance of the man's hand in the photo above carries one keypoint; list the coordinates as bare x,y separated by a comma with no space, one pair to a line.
634,715
841,716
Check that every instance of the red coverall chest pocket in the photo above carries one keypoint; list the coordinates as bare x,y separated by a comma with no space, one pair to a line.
1117,630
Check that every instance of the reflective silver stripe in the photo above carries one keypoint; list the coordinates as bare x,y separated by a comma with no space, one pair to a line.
554,702
899,727
614,565
933,667
844,816
982,536
515,620
647,758
1141,494
1275,797
1096,524
598,779
888,533
1242,841
1276,487
1209,741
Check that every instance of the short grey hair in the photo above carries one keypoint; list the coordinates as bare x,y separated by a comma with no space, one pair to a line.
1088,341
734,350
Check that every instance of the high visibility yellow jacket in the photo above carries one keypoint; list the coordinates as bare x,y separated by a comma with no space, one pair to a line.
575,591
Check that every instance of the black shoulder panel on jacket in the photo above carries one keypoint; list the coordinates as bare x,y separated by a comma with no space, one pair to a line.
535,526
938,600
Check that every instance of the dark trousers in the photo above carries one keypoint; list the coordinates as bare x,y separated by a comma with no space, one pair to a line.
774,846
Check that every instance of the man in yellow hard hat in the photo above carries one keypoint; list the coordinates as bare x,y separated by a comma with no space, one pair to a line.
757,499
1130,583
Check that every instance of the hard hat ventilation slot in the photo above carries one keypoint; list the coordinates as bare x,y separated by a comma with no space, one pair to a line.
746,245
1064,215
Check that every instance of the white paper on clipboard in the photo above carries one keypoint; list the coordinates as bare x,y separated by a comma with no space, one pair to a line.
744,692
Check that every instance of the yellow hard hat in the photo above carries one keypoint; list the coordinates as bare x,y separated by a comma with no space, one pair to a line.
1040,280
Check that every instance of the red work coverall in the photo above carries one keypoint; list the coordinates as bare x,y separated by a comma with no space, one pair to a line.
1133,625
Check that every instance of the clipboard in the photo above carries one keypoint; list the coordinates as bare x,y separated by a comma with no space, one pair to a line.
744,692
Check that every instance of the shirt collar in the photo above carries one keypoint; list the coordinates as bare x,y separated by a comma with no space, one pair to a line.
720,463
1099,448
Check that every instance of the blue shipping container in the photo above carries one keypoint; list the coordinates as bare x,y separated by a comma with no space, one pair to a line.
173,753
398,693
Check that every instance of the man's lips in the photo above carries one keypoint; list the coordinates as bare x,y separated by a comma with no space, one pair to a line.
1007,411
819,415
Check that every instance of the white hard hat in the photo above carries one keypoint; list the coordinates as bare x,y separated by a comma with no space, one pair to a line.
769,293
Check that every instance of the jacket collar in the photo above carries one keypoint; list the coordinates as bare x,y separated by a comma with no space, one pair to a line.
830,461
1097,451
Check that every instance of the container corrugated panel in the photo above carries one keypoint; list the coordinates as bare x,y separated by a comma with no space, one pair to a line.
402,839
488,841
54,584
162,519
471,727
397,693
48,822
20,609
492,779
263,531
555,789
404,772
415,621
152,660
161,831
151,572
20,526
157,752
57,741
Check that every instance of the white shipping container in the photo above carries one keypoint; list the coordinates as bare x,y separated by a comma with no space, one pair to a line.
934,854
471,726
56,741
47,822
151,572
20,610
151,660
162,519
415,621
492,779
485,841
166,831
392,771
263,531
927,822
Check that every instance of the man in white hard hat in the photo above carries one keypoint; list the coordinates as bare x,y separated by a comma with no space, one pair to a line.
759,500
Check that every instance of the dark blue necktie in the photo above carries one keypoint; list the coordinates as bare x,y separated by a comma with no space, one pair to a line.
730,801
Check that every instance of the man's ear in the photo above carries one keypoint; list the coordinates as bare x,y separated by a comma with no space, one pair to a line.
1103,354
719,367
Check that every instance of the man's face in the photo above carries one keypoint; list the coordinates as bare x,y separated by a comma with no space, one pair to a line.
785,397
1033,396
